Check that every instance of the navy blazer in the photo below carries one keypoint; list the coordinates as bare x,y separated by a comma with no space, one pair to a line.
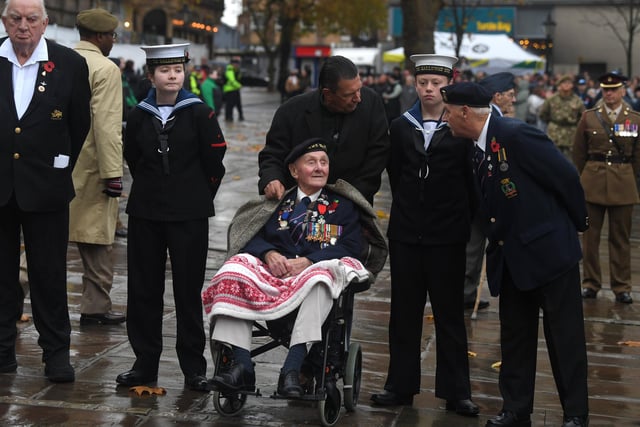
337,211
534,203
54,125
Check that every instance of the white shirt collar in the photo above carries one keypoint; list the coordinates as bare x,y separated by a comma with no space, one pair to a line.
482,139
40,53
313,197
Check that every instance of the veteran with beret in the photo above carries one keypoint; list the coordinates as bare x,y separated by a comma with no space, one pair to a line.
561,111
535,208
607,155
502,87
275,242
97,177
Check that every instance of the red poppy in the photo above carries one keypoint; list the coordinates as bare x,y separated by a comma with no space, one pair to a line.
322,209
49,66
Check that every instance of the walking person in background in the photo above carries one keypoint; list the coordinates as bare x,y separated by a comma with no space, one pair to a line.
502,87
174,148
97,177
231,90
535,207
45,119
607,155
211,92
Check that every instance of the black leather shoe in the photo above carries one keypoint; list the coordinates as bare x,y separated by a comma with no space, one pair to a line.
132,378
196,382
509,419
463,407
109,318
389,398
8,367
63,373
588,293
289,384
624,298
237,378
575,421
482,304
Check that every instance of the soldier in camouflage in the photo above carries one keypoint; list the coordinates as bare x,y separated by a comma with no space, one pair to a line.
561,111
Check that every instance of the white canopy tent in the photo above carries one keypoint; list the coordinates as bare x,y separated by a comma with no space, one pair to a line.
487,52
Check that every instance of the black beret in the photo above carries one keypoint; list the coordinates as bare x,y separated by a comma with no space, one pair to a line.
498,82
612,80
307,146
466,93
97,20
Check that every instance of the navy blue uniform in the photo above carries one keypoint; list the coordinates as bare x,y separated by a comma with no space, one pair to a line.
535,207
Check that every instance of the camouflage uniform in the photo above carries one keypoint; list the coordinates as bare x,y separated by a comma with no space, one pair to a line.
562,114
608,176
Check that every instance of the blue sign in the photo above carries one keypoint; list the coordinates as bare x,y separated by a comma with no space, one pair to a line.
479,20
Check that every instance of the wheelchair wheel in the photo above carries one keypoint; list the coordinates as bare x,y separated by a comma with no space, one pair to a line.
228,404
352,376
330,406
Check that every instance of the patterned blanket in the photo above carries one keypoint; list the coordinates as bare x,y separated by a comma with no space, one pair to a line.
244,288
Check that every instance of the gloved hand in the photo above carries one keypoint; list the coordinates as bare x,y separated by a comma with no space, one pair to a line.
113,187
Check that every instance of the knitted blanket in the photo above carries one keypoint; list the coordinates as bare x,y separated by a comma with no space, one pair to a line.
244,288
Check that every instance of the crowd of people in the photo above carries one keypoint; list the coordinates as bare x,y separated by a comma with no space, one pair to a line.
500,167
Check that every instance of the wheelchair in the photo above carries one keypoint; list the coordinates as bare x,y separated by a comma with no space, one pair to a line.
335,358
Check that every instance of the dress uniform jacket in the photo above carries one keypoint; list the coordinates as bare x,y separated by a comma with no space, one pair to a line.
254,215
435,209
93,214
185,192
608,175
521,169
362,140
54,125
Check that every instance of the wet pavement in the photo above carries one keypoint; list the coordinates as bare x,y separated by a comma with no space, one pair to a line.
100,353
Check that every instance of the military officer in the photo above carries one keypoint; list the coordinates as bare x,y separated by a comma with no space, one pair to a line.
561,111
606,153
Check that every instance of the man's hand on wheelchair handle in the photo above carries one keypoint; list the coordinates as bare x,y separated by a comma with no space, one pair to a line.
274,190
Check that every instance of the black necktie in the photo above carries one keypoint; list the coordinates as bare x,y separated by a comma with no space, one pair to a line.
478,158
296,224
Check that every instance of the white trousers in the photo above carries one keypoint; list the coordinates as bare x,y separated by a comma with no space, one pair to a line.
307,328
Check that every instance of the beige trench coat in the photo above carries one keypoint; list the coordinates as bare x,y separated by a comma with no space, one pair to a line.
607,184
93,215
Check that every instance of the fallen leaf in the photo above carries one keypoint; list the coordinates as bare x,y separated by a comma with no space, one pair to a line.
143,389
472,353
496,365
630,343
25,318
429,317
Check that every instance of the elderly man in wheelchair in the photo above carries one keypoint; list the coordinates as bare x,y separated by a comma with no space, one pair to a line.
297,253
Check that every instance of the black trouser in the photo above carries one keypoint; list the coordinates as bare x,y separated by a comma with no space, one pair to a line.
231,100
438,270
46,236
148,242
563,324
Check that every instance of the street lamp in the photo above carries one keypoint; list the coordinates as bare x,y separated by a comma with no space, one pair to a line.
549,28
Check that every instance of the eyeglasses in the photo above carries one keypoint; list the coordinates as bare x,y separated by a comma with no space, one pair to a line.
16,20
113,35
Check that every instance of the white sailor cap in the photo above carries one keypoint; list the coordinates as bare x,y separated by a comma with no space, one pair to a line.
431,63
166,54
